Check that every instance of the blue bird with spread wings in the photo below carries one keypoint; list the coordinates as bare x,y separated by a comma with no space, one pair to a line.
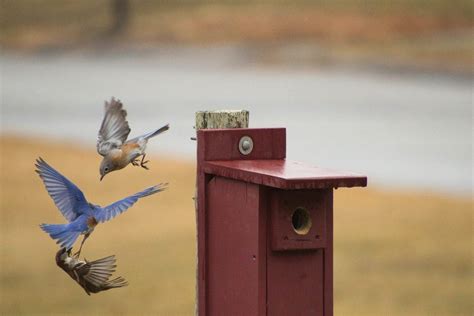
81,215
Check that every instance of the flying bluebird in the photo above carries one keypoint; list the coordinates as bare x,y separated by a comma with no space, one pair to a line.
112,141
81,215
92,276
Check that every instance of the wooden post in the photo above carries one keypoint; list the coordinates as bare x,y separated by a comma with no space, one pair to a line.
222,119
213,120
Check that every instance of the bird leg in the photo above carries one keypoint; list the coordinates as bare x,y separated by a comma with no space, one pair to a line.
80,248
142,163
135,162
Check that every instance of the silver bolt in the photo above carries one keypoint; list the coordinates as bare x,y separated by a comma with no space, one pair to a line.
245,145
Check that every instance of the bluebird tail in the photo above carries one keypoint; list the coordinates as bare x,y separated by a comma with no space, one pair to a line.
157,132
61,233
155,189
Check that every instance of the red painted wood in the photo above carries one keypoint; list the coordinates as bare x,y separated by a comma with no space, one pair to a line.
235,260
299,282
223,144
328,256
283,204
283,174
244,205
295,283
262,242
201,183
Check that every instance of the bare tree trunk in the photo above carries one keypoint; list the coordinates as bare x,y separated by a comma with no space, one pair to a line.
121,16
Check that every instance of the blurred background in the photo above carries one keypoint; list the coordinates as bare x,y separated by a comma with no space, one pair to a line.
382,88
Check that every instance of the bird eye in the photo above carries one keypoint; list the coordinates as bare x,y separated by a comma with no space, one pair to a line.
106,169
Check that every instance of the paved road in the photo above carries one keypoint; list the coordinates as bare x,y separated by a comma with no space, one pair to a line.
411,131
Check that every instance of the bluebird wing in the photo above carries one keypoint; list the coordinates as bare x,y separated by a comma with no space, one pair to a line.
114,129
107,213
65,194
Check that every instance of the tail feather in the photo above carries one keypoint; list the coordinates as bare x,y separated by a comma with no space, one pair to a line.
157,132
116,283
61,233
155,189
54,230
150,135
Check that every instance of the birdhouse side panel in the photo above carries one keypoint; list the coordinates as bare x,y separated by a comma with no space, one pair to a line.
236,252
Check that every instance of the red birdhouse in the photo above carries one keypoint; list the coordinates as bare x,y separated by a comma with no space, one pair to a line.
265,226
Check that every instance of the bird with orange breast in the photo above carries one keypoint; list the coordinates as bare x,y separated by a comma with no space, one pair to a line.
112,141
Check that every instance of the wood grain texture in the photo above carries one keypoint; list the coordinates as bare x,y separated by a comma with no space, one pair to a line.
251,259
284,174
222,119
208,120
283,205
235,256
223,144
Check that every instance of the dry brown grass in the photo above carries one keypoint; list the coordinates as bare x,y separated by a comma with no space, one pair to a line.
418,33
395,253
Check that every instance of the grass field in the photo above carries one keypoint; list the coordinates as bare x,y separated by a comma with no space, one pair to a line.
396,253
435,33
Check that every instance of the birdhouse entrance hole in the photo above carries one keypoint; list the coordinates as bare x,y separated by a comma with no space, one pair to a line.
301,221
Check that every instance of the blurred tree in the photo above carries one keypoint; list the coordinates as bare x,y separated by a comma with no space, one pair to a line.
121,16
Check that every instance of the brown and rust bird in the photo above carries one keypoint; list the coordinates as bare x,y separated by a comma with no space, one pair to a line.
112,141
92,276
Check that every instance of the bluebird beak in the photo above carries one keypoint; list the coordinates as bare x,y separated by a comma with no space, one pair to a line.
102,177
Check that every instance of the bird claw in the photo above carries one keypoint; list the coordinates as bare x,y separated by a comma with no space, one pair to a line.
142,164
135,162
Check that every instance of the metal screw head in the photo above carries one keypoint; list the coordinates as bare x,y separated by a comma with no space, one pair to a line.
245,145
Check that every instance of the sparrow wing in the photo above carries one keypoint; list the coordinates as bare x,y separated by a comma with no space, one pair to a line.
99,271
95,275
107,213
114,129
65,194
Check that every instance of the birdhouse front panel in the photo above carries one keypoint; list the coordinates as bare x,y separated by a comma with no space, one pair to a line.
298,218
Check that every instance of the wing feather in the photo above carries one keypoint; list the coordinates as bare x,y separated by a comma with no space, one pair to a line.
114,129
99,271
107,213
65,194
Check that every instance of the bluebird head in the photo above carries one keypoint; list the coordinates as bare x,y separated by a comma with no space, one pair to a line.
106,166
